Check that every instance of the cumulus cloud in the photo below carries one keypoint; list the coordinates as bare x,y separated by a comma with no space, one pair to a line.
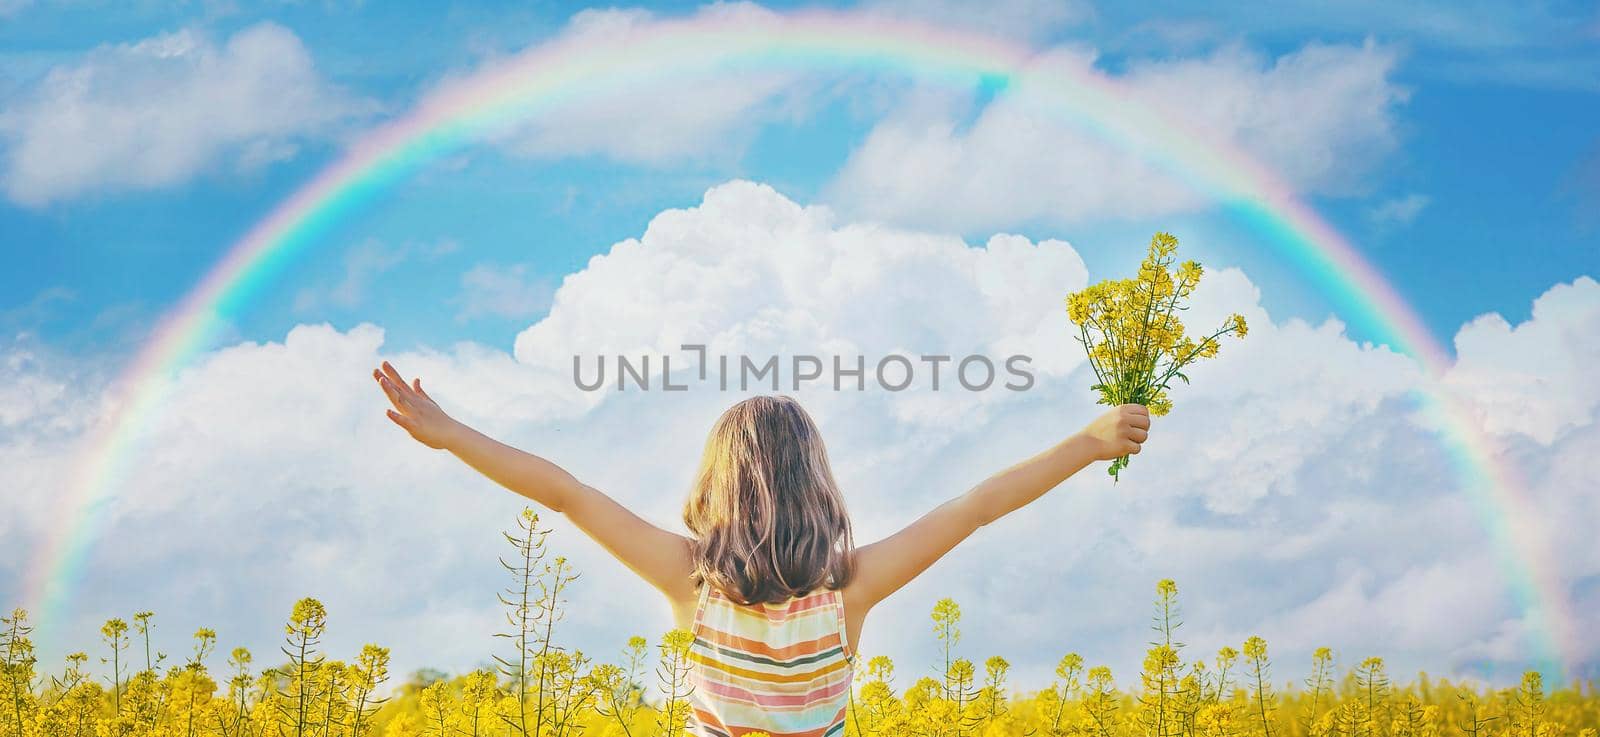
1534,45
365,263
752,270
162,110
1321,116
511,292
1534,379
159,111
1294,498
706,109
1399,210
1027,19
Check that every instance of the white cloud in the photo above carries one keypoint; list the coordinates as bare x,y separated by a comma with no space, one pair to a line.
40,307
1539,45
1399,210
364,263
1320,116
1027,19
511,292
165,109
706,109
751,269
1537,378
159,111
1290,493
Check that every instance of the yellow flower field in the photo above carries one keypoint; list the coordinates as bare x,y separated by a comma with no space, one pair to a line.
540,688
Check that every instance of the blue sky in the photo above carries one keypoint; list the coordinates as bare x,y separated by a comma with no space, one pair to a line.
1506,163
1456,145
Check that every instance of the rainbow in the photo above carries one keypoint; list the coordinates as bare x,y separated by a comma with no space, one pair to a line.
573,69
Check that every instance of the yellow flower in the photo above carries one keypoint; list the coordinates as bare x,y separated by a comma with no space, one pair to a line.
1533,682
1163,244
1189,273
1255,648
1078,307
1160,658
946,612
677,642
1215,719
308,617
1131,330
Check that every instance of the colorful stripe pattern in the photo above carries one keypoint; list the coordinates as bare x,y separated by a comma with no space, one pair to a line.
783,669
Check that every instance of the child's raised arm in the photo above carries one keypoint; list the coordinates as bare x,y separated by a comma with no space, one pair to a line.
883,567
660,557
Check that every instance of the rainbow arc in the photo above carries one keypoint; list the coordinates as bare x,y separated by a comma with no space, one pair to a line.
570,71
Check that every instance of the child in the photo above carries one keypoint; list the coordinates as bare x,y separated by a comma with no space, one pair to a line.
770,583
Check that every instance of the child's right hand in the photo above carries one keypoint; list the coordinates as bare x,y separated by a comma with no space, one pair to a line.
415,411
1118,432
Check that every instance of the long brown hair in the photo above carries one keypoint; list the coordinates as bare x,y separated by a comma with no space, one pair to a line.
768,520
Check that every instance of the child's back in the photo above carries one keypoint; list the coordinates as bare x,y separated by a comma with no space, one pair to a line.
784,668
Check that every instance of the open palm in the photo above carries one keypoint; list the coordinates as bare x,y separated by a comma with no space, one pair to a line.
414,410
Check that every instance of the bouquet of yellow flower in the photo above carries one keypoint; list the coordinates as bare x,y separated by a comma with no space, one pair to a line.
1131,331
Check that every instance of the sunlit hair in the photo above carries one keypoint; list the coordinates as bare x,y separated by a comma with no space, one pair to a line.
768,520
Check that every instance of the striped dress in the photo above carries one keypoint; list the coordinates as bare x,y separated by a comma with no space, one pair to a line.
783,669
